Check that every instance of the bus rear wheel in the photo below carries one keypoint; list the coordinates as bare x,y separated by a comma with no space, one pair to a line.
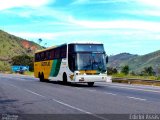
41,77
90,84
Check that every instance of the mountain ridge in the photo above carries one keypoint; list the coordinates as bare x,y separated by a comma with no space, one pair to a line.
136,63
11,46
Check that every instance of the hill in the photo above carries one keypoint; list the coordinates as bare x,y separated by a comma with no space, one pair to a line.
11,45
118,60
136,63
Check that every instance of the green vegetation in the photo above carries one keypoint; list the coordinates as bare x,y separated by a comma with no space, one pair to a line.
146,73
29,73
136,63
11,46
111,71
4,66
24,60
121,75
125,69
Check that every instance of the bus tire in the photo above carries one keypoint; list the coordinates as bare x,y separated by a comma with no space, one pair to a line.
39,75
90,84
64,78
42,77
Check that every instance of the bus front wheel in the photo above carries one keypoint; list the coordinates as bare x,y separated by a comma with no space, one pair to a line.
90,84
64,78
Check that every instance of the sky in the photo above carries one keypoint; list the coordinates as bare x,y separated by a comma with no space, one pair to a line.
131,26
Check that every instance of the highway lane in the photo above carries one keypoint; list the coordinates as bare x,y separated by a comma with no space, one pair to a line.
149,93
25,94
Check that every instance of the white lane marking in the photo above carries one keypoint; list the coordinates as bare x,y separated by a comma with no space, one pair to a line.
81,110
78,88
136,98
110,93
8,77
15,78
70,106
118,86
92,90
139,89
34,93
132,86
20,79
13,85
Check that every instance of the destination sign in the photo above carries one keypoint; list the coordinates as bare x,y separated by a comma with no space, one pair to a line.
45,63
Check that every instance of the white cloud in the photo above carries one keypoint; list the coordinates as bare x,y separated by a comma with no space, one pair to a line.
155,3
32,35
6,4
86,35
118,24
100,1
80,1
145,12
47,12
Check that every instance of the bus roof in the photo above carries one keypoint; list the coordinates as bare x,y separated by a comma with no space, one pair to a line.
49,48
86,43
38,51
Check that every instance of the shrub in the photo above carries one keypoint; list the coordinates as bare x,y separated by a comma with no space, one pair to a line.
125,69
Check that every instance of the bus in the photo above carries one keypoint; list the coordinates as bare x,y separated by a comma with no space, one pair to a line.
73,62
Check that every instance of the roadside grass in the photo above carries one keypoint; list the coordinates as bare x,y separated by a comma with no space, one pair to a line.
137,82
127,81
121,75
29,73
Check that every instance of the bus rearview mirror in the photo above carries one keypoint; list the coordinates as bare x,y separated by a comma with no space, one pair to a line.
106,59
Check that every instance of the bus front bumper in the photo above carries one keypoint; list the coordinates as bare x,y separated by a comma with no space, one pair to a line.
92,78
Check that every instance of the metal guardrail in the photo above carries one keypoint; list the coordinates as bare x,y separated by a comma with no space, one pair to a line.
136,80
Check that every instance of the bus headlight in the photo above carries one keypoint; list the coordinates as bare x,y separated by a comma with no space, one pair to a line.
76,73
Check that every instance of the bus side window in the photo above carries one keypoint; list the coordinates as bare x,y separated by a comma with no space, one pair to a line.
71,62
63,51
57,53
45,57
52,54
42,56
36,58
48,55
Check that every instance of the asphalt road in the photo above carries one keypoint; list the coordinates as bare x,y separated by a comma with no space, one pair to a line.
25,97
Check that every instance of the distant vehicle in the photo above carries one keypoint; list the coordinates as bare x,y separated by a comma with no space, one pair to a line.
74,62
20,69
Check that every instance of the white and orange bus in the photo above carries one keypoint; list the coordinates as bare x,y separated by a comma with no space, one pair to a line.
74,62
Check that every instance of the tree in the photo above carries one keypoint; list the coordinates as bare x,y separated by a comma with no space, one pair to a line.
40,40
45,44
158,71
23,60
125,69
111,71
132,73
148,71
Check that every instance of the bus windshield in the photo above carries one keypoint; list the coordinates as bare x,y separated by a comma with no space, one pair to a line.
91,61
